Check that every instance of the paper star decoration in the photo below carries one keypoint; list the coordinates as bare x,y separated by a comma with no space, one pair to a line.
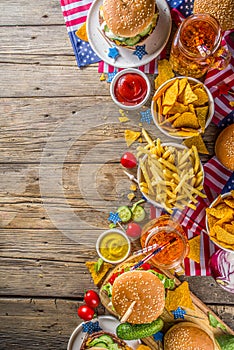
114,217
111,76
91,327
146,116
113,52
140,51
179,313
158,336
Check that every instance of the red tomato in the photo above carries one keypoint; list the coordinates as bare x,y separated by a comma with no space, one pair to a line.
133,230
128,160
92,299
85,312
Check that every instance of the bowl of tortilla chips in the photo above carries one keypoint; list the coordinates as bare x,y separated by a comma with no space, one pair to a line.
220,221
182,107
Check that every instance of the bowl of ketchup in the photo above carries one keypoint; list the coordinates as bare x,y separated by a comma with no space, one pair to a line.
130,89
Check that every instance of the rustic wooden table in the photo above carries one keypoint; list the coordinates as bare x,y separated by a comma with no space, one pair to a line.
60,177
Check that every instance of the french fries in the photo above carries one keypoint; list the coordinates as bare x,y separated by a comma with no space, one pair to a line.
168,175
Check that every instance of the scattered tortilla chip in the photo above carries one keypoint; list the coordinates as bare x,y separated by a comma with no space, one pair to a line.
133,187
123,119
131,136
165,73
231,103
179,297
98,276
102,77
194,252
198,142
81,33
131,196
186,119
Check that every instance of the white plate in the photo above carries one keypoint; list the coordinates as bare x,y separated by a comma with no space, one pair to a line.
154,44
107,323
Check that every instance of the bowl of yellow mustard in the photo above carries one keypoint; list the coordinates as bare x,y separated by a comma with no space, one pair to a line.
113,246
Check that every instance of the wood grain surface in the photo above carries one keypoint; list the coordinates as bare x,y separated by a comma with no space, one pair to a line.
60,145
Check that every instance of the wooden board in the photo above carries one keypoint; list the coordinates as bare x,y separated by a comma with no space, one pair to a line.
200,311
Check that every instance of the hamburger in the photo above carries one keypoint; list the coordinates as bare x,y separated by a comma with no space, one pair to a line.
143,288
128,22
102,341
222,10
187,336
224,147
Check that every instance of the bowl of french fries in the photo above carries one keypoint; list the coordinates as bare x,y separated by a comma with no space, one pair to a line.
220,221
170,175
182,107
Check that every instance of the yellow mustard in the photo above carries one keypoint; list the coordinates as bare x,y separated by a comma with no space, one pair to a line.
113,246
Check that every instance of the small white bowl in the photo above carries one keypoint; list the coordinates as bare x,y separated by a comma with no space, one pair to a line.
225,195
105,234
139,174
116,78
210,105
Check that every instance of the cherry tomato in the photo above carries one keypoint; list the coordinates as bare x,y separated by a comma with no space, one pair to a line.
92,299
133,230
128,160
85,312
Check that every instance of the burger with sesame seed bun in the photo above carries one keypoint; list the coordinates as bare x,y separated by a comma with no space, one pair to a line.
188,336
128,22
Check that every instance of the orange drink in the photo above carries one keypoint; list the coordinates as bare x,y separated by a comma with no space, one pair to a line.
160,231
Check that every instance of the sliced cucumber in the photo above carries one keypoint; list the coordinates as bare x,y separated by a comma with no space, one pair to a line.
125,213
106,339
101,345
133,41
138,213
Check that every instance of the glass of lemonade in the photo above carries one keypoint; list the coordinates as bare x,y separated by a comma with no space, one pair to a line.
160,231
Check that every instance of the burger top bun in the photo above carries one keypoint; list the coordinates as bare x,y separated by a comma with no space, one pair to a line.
187,336
128,18
222,10
224,147
143,287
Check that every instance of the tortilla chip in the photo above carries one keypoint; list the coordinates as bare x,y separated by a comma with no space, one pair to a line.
187,119
182,83
179,297
229,228
81,32
223,235
211,220
202,97
165,73
178,108
198,142
189,96
219,213
194,252
131,136
170,119
98,276
123,119
202,113
171,94
229,202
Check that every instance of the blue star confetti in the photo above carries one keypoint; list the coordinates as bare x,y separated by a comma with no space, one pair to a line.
146,116
91,327
111,76
114,217
113,52
179,313
158,336
140,51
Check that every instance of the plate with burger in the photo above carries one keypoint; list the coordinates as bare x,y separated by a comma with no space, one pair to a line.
126,25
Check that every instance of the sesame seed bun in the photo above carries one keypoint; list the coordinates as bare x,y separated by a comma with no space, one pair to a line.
90,337
222,10
224,147
129,17
187,336
143,287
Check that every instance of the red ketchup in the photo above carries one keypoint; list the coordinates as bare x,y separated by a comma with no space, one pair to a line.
130,89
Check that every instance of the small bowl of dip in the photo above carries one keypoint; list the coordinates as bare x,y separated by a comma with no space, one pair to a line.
113,246
130,89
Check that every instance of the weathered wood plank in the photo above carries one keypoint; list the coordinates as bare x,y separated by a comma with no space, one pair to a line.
43,12
66,279
48,323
